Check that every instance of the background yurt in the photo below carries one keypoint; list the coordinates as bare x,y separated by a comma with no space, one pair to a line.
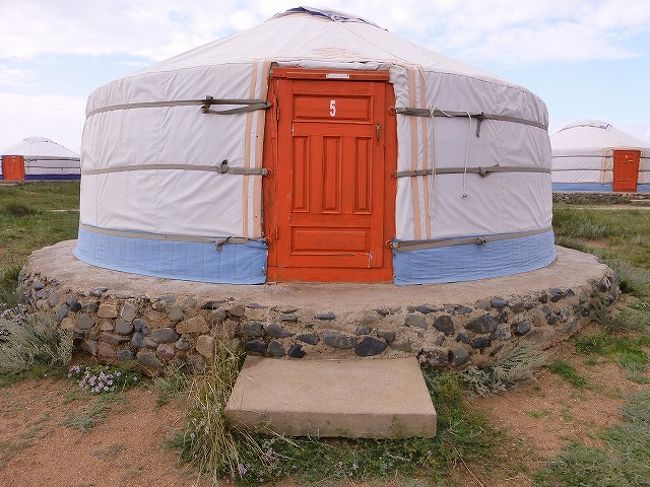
38,159
592,155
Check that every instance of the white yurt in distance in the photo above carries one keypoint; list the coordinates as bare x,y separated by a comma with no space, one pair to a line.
44,160
316,146
592,155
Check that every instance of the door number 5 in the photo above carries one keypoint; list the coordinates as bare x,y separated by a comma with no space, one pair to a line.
332,108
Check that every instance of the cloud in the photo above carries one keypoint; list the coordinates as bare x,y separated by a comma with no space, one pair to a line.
12,76
498,31
59,118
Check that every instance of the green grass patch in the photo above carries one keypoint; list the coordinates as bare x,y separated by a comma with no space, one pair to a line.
568,372
37,371
630,352
28,223
219,450
623,460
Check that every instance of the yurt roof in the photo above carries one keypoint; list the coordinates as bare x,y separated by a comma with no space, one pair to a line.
306,33
593,135
39,147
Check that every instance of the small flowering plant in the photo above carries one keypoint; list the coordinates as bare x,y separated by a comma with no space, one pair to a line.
99,379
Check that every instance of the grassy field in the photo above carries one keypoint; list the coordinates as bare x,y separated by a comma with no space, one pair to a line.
33,216
469,444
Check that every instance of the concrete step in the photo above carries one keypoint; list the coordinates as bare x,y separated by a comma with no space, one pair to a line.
350,398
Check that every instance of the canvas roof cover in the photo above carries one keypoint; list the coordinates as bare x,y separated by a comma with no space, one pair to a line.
143,148
38,147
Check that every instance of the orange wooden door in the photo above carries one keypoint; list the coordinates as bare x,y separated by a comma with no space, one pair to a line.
332,180
626,170
13,168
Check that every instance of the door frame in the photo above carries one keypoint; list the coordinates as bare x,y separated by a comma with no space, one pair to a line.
269,162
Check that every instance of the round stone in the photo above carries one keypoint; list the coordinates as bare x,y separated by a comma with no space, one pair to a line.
370,346
256,345
444,324
415,320
309,338
275,349
296,351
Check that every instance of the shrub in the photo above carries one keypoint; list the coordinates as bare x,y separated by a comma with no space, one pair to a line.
18,210
520,365
35,340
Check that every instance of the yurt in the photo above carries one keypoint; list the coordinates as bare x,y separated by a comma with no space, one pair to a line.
38,158
316,146
592,155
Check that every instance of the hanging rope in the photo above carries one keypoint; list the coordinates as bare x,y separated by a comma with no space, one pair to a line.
469,131
433,196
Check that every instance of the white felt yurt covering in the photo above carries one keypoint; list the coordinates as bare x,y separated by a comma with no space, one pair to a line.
44,159
154,202
583,156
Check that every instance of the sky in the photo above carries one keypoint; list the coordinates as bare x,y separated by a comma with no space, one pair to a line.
587,59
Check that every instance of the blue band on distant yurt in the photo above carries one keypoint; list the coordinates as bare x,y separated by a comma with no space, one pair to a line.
52,177
594,187
233,263
469,262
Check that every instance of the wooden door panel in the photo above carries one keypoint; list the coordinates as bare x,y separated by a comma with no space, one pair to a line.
301,175
330,181
626,170
332,108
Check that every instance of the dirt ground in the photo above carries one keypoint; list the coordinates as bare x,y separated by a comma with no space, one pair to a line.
127,447
547,413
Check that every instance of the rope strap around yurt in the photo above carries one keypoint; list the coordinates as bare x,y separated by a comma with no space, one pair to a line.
222,168
218,241
247,105
480,170
480,117
410,245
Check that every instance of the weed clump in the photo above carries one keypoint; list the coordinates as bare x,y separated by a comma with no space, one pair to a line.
18,210
520,365
33,341
9,287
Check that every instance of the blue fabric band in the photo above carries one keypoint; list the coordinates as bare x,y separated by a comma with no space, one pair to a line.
469,262
239,263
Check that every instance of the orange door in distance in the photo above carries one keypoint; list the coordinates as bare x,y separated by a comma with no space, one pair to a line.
626,170
13,168
330,199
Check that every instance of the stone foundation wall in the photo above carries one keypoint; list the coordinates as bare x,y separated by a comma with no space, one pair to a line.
158,330
585,198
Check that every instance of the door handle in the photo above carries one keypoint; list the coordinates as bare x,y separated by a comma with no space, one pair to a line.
378,130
